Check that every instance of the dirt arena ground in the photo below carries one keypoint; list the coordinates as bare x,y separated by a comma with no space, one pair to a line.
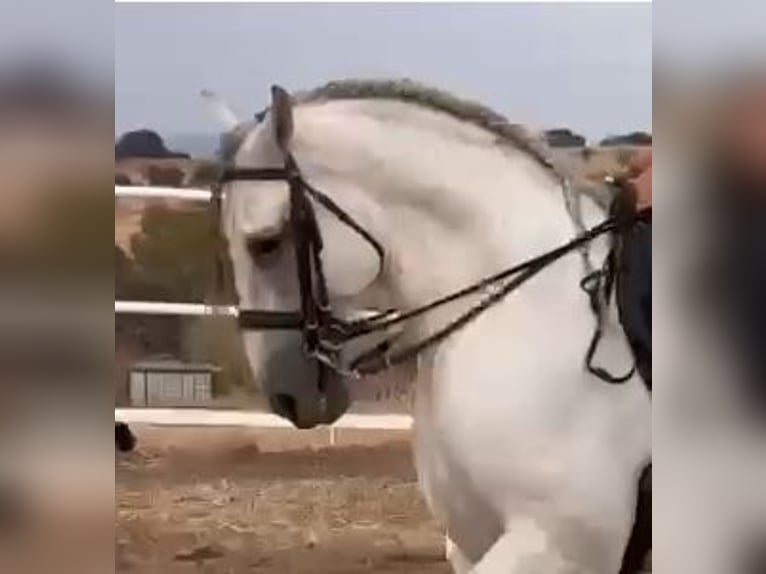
232,501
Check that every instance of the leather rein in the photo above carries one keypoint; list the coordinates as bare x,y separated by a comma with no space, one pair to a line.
324,335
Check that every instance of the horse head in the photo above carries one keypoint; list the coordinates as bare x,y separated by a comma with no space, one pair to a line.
262,245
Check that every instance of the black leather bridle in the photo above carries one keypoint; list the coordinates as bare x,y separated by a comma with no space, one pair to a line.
324,335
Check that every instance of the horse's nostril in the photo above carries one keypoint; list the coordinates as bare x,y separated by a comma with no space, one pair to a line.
286,406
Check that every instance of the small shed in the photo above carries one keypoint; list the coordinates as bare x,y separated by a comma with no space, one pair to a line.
170,383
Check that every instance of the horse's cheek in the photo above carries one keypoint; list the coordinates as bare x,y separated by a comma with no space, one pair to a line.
350,264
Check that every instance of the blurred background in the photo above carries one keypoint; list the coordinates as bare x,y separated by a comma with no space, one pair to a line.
709,292
56,122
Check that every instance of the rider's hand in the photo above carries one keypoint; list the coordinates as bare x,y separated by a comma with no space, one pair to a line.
641,177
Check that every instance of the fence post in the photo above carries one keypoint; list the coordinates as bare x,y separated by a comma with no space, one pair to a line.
332,435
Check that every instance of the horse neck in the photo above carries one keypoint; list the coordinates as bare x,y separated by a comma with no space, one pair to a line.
453,204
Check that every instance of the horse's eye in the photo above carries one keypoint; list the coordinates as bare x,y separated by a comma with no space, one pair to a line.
261,247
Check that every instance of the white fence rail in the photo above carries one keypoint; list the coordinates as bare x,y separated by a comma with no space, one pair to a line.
233,418
214,417
151,192
163,308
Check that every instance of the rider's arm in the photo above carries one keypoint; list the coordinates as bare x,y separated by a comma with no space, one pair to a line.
641,177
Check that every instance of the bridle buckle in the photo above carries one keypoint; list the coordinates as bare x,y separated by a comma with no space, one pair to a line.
327,360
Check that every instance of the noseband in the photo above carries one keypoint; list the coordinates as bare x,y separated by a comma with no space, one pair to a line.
324,335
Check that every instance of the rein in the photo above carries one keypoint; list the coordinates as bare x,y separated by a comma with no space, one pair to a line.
324,335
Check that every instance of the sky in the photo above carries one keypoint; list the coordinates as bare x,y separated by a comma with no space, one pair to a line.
703,39
583,66
75,34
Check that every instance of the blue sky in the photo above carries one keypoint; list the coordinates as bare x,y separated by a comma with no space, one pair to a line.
585,66
78,33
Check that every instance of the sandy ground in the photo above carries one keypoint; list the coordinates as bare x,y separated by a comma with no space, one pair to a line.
272,501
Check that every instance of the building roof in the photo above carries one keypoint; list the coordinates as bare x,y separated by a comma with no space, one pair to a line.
173,366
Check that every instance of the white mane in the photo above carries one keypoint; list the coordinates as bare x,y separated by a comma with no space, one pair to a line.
409,91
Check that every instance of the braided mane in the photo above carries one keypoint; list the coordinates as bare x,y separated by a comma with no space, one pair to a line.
410,91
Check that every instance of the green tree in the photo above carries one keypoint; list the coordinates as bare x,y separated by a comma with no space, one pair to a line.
176,253
124,274
144,333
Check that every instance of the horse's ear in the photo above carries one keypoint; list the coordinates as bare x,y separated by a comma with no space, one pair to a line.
281,116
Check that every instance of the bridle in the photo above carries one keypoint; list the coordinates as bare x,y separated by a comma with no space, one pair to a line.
324,335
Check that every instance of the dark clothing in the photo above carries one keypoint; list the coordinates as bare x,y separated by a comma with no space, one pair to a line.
636,308
634,285
631,259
